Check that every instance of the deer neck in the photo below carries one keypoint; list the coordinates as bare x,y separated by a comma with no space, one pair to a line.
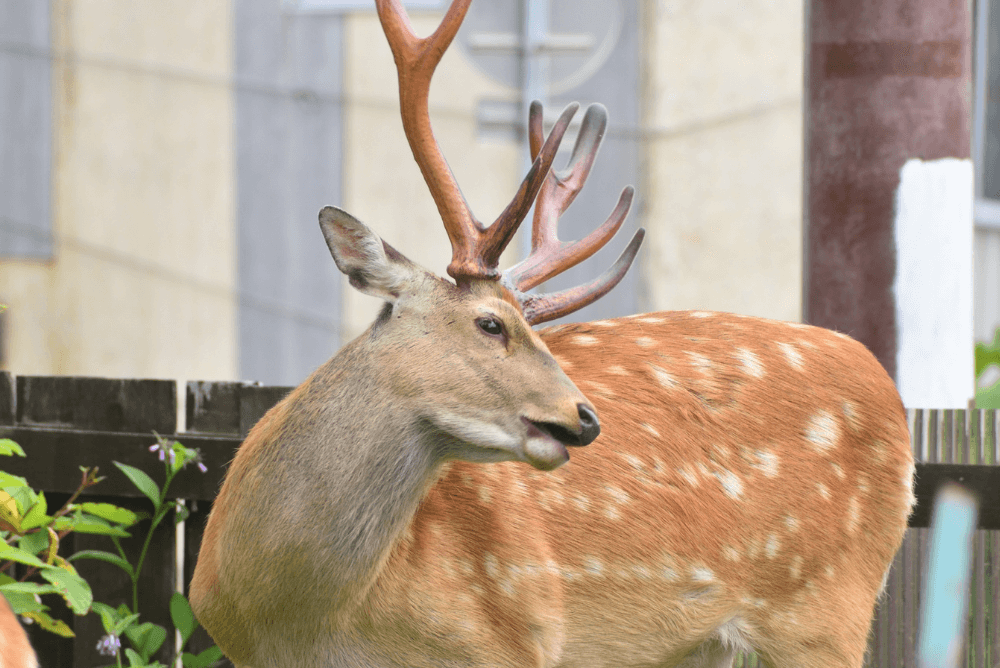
363,479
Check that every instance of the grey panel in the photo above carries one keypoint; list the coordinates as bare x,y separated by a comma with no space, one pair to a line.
616,86
288,164
25,130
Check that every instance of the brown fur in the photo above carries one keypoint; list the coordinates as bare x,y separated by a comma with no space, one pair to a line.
15,650
750,486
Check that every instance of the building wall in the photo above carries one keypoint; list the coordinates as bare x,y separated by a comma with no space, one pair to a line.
723,180
141,278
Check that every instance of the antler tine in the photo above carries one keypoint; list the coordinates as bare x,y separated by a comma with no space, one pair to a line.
550,256
499,234
542,308
416,60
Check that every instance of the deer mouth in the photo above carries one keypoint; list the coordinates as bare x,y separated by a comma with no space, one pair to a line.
545,444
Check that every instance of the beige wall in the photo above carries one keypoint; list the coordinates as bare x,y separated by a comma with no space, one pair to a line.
382,184
723,173
142,279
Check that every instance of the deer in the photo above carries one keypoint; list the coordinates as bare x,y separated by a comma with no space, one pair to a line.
744,483
15,649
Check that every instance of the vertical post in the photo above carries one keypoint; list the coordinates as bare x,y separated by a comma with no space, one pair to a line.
888,227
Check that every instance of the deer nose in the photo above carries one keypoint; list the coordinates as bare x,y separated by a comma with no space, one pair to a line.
590,426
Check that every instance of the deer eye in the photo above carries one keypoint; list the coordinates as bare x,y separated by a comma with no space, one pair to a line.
490,326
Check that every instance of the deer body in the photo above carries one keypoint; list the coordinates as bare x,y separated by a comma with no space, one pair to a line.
748,491
15,650
734,500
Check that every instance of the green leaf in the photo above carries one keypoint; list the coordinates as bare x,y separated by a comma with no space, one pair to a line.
83,523
29,588
104,556
20,602
988,397
202,660
9,480
74,589
107,614
36,517
124,623
10,553
182,513
33,543
142,482
110,512
182,616
52,625
9,447
134,660
146,638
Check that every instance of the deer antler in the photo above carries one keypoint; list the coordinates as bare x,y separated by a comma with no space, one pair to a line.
475,249
550,256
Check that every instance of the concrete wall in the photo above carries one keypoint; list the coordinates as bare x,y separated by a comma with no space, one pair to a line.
141,282
723,129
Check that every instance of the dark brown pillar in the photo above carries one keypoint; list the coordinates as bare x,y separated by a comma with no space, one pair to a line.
887,80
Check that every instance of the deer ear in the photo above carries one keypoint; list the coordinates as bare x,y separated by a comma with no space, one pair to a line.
371,265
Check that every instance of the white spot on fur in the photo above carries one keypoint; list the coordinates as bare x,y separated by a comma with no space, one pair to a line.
791,523
851,416
645,342
466,479
702,575
507,587
484,494
618,495
863,484
651,321
634,462
582,502
751,364
701,314
853,514
731,485
733,636
793,356
767,462
838,470
822,431
688,475
772,546
730,553
651,429
611,512
642,572
491,565
593,566
616,370
563,362
830,572
701,363
795,569
585,340
604,323
663,378
823,491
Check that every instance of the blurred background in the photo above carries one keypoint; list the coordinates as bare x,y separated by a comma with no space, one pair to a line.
162,166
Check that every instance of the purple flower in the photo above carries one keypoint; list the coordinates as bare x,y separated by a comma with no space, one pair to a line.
109,645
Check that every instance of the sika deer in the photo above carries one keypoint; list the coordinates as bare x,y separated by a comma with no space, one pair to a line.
749,487
15,650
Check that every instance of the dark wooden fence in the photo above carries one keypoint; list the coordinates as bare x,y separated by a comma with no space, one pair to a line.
63,423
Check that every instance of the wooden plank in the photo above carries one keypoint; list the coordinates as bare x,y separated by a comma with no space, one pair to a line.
948,436
105,404
911,581
896,584
979,600
255,401
7,398
55,454
933,436
995,597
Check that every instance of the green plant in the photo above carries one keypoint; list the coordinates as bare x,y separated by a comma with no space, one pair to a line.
146,638
988,355
31,536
